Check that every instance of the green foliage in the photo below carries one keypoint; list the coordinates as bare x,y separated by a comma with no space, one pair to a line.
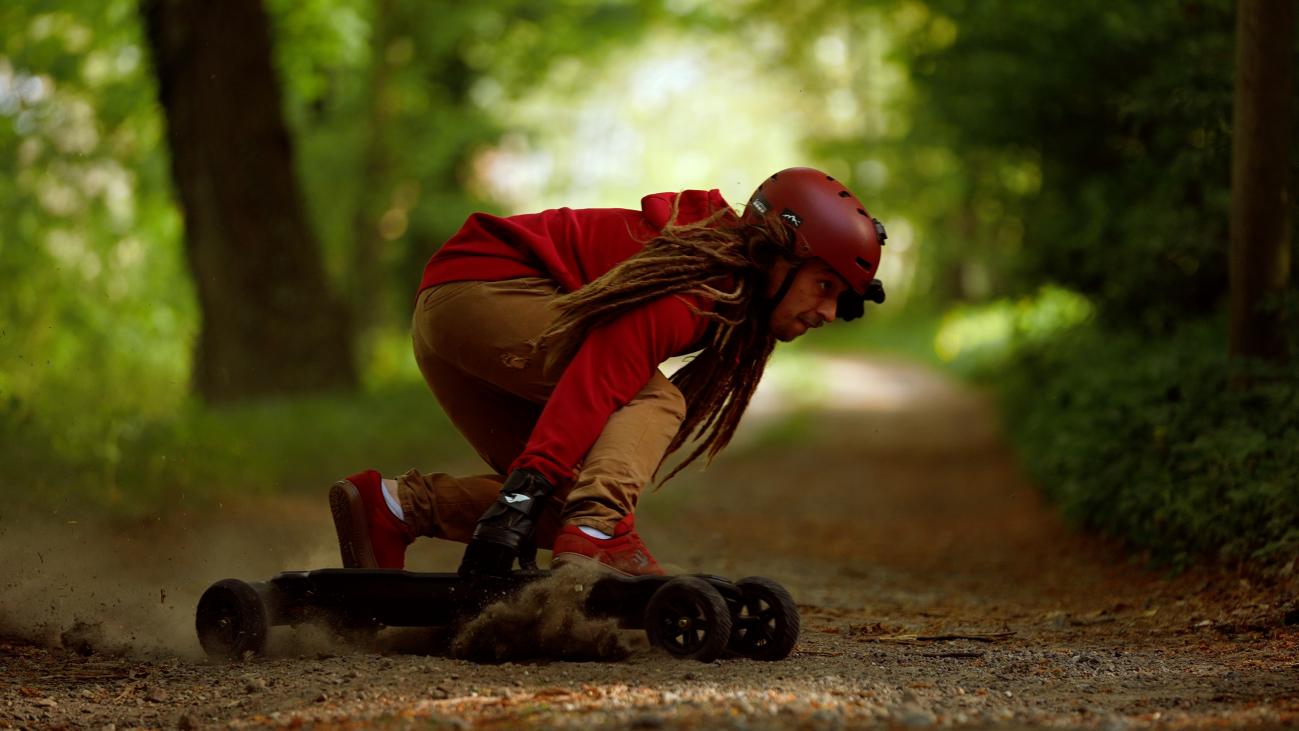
196,456
1086,145
95,311
1143,439
1099,133
973,336
388,102
910,333
1058,164
391,101
377,95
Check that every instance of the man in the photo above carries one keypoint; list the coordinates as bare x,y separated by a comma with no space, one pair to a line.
541,336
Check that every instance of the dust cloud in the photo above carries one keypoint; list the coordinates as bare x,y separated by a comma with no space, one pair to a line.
543,620
130,588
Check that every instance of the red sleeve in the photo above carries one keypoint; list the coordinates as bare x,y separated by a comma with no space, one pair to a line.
612,365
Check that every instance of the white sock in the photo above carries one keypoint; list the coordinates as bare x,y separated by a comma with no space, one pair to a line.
594,533
390,497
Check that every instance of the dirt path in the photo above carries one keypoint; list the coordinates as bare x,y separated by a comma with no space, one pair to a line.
895,514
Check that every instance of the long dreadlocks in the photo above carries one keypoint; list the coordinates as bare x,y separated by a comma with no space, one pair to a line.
725,262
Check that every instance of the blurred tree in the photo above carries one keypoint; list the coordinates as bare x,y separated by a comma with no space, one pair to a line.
96,306
372,223
269,322
1260,177
1095,139
393,101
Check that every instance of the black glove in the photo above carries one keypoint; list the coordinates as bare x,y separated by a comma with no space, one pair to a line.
507,526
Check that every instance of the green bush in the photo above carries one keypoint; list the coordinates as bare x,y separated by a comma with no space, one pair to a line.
121,463
1144,439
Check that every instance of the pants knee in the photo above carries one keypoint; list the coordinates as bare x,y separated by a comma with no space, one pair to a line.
667,397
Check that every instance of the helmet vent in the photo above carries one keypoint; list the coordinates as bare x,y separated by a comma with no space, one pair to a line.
829,178
862,212
844,194
863,264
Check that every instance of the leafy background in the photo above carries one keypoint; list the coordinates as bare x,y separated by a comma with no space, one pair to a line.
1055,178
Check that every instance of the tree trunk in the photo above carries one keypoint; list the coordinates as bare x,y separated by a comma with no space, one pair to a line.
270,324
1260,203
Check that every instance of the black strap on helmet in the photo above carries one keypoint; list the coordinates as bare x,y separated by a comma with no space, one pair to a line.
853,305
785,285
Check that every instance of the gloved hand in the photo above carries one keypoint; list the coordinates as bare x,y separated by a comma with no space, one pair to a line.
508,526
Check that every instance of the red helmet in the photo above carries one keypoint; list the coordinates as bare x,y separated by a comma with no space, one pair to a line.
829,222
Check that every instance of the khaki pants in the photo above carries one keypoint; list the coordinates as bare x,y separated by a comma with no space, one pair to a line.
474,344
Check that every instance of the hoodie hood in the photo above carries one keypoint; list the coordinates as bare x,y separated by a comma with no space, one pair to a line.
694,205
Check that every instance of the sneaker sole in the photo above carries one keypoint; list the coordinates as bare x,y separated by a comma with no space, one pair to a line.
349,522
586,562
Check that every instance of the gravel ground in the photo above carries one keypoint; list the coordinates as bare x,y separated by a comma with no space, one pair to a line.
934,588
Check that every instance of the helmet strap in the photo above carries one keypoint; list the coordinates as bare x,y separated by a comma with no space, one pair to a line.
785,285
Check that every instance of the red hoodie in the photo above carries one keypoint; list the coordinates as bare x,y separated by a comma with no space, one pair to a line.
616,360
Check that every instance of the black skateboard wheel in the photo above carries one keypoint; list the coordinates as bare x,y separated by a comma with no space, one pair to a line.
688,617
231,620
766,622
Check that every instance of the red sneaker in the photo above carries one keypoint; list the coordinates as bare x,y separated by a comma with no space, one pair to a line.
624,553
369,535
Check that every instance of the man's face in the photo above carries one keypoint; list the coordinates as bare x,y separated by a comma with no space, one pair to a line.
810,302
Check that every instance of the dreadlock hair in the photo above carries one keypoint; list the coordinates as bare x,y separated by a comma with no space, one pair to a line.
722,261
